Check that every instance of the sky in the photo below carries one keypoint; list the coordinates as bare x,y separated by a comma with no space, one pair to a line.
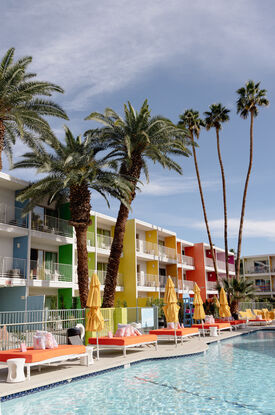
177,54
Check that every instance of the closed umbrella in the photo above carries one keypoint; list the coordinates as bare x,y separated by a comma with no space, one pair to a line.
224,307
216,301
95,320
199,313
171,309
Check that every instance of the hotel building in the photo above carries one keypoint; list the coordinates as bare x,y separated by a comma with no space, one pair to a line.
260,269
38,261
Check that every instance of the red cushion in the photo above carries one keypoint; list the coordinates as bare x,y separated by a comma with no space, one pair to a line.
32,355
123,341
207,326
171,332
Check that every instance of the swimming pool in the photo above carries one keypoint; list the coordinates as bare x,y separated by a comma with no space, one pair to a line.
235,376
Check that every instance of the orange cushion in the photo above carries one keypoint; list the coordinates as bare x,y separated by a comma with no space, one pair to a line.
207,326
171,332
232,322
32,355
123,341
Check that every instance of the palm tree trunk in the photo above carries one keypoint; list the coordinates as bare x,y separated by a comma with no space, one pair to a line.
119,232
234,307
80,207
203,206
224,203
2,135
238,261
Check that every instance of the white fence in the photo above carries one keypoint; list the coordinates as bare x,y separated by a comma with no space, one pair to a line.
20,326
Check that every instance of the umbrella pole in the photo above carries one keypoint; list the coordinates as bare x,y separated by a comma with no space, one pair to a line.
176,340
97,348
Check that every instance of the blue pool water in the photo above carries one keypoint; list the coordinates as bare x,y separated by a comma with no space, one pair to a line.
236,376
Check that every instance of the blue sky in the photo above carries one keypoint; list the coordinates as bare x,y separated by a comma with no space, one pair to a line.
178,54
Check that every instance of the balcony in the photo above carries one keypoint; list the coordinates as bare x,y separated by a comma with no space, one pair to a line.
90,239
163,280
102,276
53,225
263,288
212,285
146,247
13,267
104,241
50,272
147,280
167,253
185,285
209,262
257,270
187,260
12,215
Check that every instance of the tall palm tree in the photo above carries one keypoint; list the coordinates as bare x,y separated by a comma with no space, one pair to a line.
133,140
237,290
72,170
191,120
250,98
22,109
214,119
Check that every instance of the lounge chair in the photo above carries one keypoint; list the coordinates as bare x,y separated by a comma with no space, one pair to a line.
254,320
205,327
47,356
234,323
173,334
124,343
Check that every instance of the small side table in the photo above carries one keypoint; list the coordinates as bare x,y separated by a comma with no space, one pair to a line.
88,360
16,370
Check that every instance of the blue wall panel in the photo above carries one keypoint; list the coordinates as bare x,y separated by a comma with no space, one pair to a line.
20,250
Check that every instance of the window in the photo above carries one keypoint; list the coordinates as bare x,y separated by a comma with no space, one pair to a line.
162,272
161,243
104,232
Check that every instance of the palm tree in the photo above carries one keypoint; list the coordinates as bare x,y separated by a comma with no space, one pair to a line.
192,121
250,98
133,140
237,290
214,119
72,170
21,110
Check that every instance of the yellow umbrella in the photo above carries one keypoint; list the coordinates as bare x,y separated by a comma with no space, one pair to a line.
224,310
95,320
199,313
216,301
171,309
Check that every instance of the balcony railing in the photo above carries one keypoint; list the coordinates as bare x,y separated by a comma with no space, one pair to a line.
146,247
212,285
188,285
12,215
54,225
187,260
163,280
90,239
164,251
104,241
102,276
147,280
50,272
209,262
13,267
262,288
258,270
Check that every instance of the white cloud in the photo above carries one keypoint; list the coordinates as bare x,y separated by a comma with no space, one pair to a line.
168,186
92,48
252,228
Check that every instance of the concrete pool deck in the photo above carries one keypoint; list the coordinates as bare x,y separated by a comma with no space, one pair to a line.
110,359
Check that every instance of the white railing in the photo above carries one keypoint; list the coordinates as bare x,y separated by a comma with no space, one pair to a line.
146,247
90,239
212,285
51,224
18,326
187,260
209,262
258,270
102,276
50,272
165,251
231,267
12,215
12,267
188,285
104,241
163,280
147,280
